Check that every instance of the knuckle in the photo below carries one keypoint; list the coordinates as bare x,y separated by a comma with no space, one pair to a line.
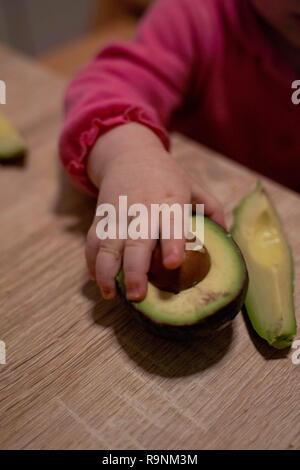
173,198
109,249
131,274
139,242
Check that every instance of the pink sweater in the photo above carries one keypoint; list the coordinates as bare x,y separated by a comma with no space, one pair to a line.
204,67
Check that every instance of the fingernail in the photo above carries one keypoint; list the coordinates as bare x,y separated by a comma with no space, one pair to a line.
107,293
133,294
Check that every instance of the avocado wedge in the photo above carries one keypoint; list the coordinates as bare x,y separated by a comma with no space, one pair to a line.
269,303
208,305
12,146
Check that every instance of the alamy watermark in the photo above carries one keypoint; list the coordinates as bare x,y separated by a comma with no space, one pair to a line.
163,221
296,94
2,92
2,352
296,355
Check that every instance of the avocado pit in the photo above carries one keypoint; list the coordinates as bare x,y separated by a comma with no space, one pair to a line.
193,269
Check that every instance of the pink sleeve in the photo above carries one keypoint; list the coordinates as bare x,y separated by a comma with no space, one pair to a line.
144,81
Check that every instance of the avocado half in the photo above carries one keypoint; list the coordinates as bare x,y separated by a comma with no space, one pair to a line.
269,303
205,307
12,145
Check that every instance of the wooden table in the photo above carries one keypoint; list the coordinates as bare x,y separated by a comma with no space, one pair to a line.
80,372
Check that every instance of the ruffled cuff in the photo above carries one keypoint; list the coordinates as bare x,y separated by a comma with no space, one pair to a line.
77,140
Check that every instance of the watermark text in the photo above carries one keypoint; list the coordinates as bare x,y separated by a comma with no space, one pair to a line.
139,221
296,93
296,354
2,92
2,352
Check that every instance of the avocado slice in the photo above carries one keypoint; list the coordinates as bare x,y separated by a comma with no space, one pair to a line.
206,306
259,232
12,146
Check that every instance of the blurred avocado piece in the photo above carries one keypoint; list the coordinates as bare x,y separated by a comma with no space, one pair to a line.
259,232
12,145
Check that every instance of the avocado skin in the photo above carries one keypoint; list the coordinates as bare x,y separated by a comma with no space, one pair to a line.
281,341
202,328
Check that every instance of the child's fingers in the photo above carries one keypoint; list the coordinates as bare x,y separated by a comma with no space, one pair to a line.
91,251
212,207
136,264
173,248
173,252
108,264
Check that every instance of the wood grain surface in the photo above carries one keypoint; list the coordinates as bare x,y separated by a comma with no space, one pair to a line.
80,373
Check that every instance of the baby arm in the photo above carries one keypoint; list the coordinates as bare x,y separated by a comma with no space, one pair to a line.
114,141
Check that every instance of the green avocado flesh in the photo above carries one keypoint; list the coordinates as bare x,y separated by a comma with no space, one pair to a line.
259,233
11,143
223,284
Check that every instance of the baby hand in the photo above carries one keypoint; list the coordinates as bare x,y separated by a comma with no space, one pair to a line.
130,160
